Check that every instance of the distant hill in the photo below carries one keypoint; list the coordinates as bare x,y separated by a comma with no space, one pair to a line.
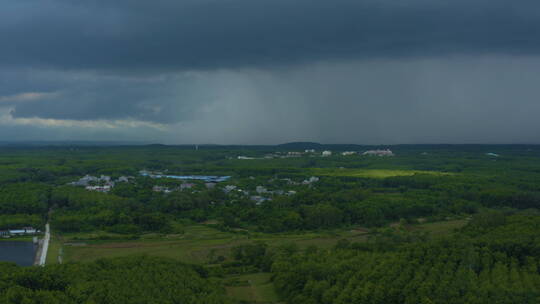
301,145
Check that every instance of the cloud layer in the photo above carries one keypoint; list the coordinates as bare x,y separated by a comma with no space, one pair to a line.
209,34
258,71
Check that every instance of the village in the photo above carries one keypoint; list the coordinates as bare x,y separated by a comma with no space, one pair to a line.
314,153
100,184
194,184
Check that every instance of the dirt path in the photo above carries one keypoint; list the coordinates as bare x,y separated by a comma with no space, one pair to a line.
44,246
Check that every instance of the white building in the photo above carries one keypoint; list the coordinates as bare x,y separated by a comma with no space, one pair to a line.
229,188
161,189
261,189
105,188
310,150
186,186
22,231
294,154
259,199
386,152
17,232
123,179
85,180
311,180
347,153
327,153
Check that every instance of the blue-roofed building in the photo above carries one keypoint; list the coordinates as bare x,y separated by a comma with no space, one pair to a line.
205,178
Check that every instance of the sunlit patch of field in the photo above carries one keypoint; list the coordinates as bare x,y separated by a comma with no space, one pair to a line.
369,173
252,288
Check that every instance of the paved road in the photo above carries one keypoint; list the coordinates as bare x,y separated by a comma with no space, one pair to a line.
45,246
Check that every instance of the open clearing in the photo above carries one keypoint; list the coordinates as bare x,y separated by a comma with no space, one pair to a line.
195,245
55,246
200,241
253,288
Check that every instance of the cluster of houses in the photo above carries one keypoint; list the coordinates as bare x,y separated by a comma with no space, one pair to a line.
103,183
305,182
386,152
106,183
289,154
326,153
262,194
183,186
210,181
18,232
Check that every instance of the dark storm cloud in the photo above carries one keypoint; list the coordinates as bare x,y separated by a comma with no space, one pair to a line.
450,100
89,96
209,34
467,99
271,71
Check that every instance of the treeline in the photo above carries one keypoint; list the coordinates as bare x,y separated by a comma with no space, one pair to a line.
23,204
27,198
332,202
344,201
79,210
337,202
120,280
36,180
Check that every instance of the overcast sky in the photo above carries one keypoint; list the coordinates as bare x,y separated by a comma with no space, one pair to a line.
271,71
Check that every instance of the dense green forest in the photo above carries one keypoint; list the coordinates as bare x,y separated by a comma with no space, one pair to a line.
493,190
495,259
126,280
431,182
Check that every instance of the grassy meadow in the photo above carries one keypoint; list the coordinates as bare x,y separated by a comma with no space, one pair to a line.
198,242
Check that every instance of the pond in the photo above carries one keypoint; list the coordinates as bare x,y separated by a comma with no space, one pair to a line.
22,253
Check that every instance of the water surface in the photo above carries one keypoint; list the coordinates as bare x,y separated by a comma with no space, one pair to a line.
22,253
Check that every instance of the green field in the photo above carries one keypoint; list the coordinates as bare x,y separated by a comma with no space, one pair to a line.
253,288
369,173
198,241
55,248
194,246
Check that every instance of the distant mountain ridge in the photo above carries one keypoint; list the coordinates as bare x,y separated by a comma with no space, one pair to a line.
301,145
